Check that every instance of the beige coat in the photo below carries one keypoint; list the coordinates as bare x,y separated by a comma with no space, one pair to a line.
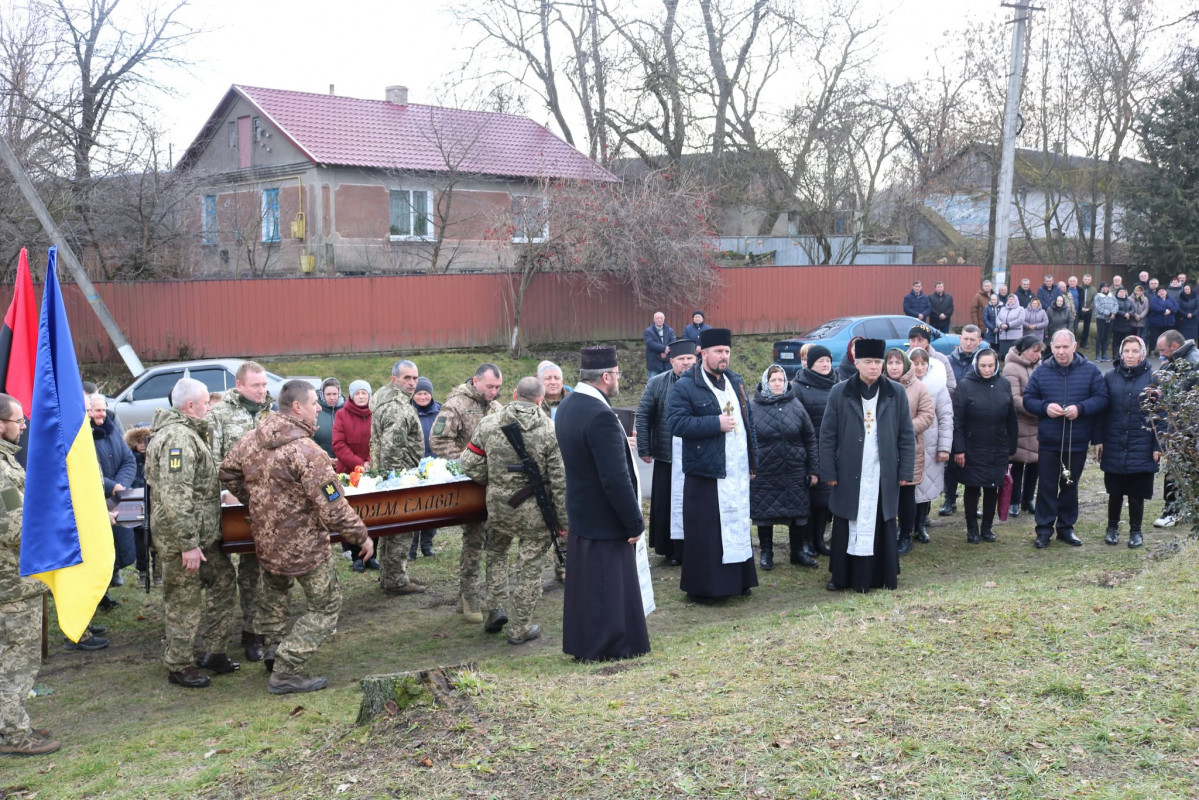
1017,373
923,415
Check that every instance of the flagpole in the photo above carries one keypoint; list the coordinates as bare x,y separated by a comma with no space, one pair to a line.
64,250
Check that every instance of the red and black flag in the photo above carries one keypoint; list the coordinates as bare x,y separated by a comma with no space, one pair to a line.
18,338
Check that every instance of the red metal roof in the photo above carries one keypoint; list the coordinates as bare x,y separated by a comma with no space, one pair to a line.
376,133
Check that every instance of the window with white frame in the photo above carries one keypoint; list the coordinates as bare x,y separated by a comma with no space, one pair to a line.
1086,218
208,220
529,221
410,218
270,215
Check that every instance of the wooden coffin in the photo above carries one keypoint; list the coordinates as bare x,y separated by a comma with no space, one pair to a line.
385,513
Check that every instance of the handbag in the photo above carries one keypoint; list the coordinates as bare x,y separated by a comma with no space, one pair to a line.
1005,495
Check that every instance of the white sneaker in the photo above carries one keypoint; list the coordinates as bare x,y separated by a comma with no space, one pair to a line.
1166,521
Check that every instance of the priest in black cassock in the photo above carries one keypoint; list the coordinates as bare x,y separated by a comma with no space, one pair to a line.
708,409
602,614
867,429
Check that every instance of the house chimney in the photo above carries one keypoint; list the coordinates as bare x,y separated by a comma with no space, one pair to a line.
397,95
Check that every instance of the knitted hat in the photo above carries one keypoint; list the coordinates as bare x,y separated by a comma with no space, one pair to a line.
817,352
357,386
424,385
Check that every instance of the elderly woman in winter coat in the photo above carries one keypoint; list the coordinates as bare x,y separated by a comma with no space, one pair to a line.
812,386
1140,312
991,318
920,405
1061,316
352,448
984,439
1035,319
938,439
1163,314
1017,368
1128,451
1188,313
1009,325
788,465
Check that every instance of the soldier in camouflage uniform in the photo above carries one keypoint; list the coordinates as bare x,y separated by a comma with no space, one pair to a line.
295,500
397,443
20,601
460,414
486,461
185,515
241,410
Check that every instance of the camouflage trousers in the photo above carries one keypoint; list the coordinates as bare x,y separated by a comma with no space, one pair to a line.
521,601
393,561
249,574
322,595
20,659
214,614
470,564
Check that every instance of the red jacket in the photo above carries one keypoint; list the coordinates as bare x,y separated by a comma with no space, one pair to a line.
351,436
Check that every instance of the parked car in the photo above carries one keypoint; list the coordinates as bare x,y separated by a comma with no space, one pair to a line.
836,333
148,392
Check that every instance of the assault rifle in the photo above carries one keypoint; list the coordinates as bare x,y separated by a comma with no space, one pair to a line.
536,486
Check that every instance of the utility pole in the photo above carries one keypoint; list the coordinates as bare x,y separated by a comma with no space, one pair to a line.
1007,160
68,257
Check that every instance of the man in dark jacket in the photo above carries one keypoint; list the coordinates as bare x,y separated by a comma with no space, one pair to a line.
658,338
602,613
118,468
941,305
1047,292
1025,293
868,450
331,400
1069,396
709,411
915,303
655,445
1178,352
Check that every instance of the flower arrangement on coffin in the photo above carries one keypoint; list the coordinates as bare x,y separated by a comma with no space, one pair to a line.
430,470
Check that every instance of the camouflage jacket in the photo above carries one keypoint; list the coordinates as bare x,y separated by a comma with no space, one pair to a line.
230,419
397,439
487,458
185,496
12,495
292,493
460,414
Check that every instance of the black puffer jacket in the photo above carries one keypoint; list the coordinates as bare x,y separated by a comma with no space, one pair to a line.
813,389
984,428
787,455
1128,441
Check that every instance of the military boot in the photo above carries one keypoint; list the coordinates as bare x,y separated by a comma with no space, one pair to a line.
190,678
218,663
31,744
470,610
496,620
252,642
529,635
282,683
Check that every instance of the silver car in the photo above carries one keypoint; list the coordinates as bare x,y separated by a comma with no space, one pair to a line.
138,401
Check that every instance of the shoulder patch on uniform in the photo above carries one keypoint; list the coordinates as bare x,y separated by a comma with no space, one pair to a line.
439,426
11,497
175,459
331,490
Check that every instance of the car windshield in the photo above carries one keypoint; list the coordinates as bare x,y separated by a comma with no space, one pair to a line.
826,330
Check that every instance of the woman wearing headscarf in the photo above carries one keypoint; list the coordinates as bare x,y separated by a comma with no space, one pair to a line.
1163,314
920,406
1035,319
788,465
1017,368
1009,325
984,439
1188,313
1061,317
1128,451
1124,323
812,386
1140,313
938,439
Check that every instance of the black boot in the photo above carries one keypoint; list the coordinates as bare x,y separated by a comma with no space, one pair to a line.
252,642
818,546
972,536
922,529
1113,535
766,542
426,543
1134,539
905,543
415,544
949,509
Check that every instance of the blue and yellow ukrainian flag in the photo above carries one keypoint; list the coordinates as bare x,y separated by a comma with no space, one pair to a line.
66,538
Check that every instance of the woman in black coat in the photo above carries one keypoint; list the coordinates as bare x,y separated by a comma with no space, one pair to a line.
1124,322
1128,451
985,434
787,466
1188,313
812,386
1061,318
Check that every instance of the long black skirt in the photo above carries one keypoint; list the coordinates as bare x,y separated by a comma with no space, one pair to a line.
602,615
659,514
1138,485
863,573
704,573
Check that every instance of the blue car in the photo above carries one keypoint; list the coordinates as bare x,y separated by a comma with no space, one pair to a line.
836,333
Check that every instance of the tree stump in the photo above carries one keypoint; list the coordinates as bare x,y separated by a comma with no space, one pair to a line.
440,687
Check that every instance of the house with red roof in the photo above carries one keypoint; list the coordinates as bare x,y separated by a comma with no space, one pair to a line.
290,183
